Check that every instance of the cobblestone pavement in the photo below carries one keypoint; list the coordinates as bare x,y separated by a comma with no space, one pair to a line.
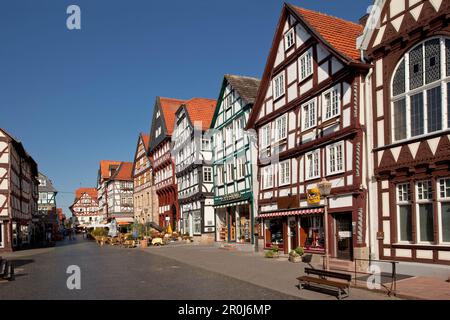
117,273
274,274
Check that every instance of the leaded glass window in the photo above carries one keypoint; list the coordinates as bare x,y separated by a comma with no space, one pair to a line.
417,116
399,80
434,97
400,119
432,60
416,68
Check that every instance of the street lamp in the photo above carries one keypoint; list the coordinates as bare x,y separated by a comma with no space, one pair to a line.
325,189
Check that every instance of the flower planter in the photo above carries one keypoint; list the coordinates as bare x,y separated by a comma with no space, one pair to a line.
273,255
296,259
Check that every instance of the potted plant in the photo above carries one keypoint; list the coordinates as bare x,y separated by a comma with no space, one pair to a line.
273,253
296,255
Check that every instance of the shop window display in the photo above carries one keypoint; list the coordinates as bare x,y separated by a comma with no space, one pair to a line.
275,229
312,233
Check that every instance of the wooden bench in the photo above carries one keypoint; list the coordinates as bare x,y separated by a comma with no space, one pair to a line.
342,287
6,270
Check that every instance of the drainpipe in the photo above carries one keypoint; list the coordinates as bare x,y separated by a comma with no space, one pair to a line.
369,160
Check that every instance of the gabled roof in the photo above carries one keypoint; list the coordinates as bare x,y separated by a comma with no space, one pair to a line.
338,33
146,140
201,110
48,184
92,192
124,172
21,150
247,87
104,167
169,107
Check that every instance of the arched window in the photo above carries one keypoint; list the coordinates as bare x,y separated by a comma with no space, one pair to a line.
420,88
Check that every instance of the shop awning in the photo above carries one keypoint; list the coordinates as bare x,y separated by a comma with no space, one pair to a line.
124,221
231,204
298,212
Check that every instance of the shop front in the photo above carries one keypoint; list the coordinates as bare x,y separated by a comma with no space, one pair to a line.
234,223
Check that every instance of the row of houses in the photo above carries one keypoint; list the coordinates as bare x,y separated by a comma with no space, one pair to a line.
28,211
341,148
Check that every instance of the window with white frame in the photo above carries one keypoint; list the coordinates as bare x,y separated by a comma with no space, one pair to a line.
335,158
289,39
404,212
158,131
230,172
281,128
207,174
313,164
229,135
425,212
267,177
219,140
306,65
265,136
157,114
309,114
278,86
197,222
219,174
240,168
206,144
239,128
444,210
331,103
420,86
284,172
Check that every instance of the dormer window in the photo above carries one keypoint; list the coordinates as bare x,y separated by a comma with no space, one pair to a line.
289,39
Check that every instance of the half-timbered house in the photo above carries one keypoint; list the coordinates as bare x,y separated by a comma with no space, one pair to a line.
310,123
191,149
408,43
18,193
85,207
234,156
145,198
115,191
47,218
163,165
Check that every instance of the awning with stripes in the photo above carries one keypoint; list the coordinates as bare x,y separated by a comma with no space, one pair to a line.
291,213
231,204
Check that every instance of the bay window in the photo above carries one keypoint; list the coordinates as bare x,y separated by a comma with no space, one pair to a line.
419,86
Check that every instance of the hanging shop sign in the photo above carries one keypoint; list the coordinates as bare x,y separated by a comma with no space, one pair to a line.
313,196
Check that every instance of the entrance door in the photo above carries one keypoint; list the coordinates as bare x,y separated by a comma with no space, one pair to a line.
344,239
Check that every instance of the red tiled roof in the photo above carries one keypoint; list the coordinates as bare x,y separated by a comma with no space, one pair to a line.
92,192
169,107
105,165
201,110
124,172
339,33
146,139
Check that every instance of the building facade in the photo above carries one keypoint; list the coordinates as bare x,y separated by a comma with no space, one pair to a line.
310,123
234,156
191,149
165,180
47,219
145,198
85,208
115,191
18,193
408,43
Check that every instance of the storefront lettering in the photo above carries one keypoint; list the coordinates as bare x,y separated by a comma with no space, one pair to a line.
231,196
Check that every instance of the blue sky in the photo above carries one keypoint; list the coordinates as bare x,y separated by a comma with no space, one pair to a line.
76,97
